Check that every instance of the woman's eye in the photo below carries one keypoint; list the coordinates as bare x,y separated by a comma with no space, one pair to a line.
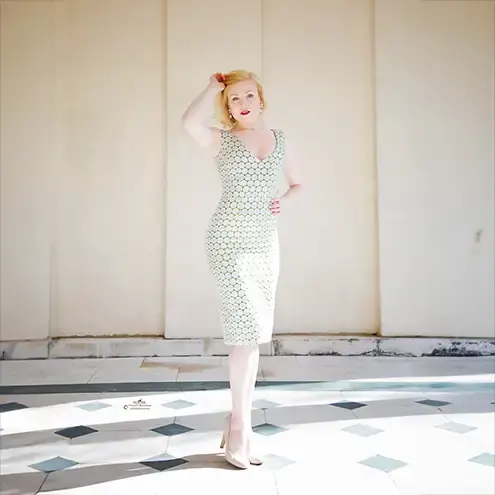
250,96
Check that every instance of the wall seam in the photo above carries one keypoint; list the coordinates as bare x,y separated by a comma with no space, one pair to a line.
163,309
262,41
375,161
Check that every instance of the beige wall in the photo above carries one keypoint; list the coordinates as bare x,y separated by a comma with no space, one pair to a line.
105,200
27,155
82,168
109,237
435,126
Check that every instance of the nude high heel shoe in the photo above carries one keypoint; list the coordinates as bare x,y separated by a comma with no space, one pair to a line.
233,458
252,459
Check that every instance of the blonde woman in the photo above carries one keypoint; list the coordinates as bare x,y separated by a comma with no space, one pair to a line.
242,243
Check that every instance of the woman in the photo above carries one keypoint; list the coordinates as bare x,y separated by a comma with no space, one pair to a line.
242,238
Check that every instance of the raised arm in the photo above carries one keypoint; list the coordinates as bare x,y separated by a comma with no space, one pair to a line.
199,112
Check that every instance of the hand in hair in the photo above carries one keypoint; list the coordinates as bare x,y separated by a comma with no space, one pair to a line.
217,82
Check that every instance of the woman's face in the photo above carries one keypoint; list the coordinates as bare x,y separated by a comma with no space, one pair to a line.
244,101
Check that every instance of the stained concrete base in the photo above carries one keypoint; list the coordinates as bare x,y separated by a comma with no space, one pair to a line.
280,346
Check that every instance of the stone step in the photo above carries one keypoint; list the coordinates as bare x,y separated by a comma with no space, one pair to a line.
281,346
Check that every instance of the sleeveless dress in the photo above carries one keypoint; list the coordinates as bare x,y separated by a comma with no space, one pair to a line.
242,244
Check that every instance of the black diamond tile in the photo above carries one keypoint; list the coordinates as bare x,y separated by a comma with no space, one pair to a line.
75,432
433,403
164,465
11,406
348,405
172,429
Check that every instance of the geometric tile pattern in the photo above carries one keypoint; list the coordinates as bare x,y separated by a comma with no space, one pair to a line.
75,432
456,427
382,463
54,464
179,404
94,406
151,453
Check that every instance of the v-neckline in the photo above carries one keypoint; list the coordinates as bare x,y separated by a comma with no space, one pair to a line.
251,153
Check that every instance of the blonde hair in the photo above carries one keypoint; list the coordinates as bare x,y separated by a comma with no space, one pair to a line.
222,107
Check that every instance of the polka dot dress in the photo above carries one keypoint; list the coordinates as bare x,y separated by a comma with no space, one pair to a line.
242,244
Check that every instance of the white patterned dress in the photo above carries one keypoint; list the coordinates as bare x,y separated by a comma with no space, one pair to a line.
242,244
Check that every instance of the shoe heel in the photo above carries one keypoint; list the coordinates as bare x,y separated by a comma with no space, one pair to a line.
222,441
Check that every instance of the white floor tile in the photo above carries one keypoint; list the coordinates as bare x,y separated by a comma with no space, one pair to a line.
119,447
325,477
441,478
22,483
294,416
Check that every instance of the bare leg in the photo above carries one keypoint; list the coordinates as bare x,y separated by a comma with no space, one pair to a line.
243,368
254,374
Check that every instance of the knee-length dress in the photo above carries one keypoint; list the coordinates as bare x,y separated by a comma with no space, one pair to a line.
242,244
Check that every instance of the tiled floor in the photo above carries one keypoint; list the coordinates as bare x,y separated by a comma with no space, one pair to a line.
323,425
